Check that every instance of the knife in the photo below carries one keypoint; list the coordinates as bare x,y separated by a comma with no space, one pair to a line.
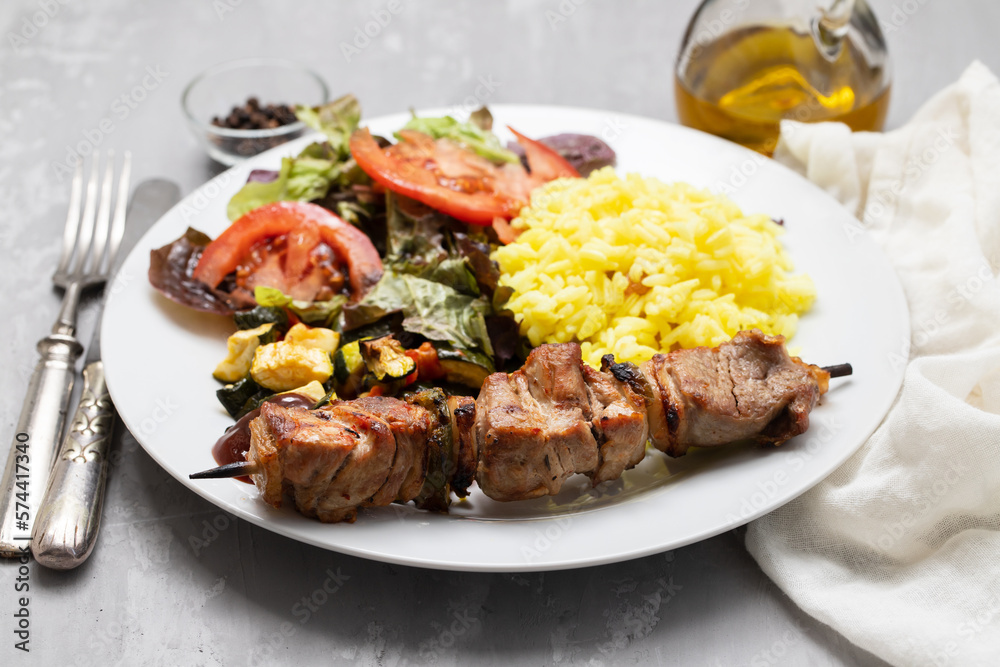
69,516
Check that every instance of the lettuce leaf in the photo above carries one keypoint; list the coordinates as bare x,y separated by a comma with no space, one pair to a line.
469,134
337,120
314,313
303,178
428,244
442,283
429,308
270,297
170,271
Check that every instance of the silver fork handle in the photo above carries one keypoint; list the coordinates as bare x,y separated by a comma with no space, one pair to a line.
66,528
38,432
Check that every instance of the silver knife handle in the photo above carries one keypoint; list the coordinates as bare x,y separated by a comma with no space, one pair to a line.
39,429
66,528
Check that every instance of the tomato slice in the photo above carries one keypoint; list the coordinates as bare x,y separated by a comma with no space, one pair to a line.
546,164
404,171
305,226
505,232
454,180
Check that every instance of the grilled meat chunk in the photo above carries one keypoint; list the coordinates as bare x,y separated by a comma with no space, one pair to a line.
514,461
533,426
555,376
330,460
619,423
746,389
410,425
370,451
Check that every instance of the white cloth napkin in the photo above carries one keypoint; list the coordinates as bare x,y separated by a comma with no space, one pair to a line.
899,549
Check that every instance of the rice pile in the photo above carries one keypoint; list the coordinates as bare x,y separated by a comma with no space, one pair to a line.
634,266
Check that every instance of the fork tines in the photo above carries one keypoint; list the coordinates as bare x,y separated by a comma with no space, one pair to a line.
91,239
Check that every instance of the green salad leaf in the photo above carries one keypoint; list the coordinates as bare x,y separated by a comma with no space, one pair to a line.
469,134
337,120
319,313
270,297
431,309
314,313
303,178
441,283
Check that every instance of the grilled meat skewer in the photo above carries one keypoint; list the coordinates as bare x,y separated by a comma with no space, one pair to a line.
530,430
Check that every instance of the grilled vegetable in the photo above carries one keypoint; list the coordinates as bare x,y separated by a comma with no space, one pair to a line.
241,397
239,355
348,370
428,366
435,494
313,390
464,367
249,319
282,366
315,337
386,359
347,362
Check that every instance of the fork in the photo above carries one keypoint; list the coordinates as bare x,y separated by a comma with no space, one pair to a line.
90,242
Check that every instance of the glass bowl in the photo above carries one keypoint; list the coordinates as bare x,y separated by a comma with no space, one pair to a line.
217,90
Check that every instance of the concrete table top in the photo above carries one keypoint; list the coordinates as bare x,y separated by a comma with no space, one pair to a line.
175,581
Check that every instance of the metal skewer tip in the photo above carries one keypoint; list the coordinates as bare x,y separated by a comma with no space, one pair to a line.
839,370
229,470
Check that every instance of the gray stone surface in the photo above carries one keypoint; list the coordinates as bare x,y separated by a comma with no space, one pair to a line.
174,581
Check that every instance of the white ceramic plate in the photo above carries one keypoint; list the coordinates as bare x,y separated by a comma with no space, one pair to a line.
159,356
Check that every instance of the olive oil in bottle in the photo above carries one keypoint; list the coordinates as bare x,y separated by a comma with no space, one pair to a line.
741,85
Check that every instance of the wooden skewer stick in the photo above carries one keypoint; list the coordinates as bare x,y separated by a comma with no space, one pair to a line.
840,370
229,470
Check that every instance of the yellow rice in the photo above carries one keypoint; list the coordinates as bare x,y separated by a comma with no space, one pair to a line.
633,266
